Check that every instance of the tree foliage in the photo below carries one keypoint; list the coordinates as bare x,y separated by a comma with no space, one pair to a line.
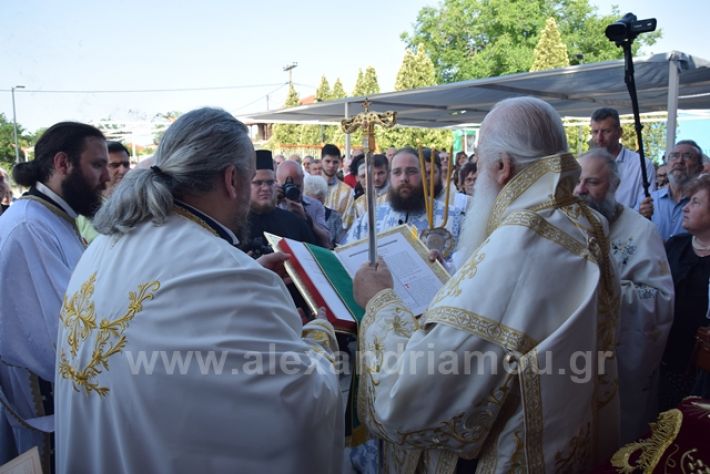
7,142
416,70
323,92
286,133
468,39
550,52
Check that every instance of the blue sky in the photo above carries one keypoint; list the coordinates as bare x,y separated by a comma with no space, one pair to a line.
130,45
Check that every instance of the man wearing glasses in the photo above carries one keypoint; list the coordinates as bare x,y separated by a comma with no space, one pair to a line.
665,206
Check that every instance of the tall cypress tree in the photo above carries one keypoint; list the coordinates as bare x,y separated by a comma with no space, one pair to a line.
551,51
416,70
285,133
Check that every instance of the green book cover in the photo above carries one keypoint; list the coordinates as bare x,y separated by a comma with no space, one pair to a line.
338,277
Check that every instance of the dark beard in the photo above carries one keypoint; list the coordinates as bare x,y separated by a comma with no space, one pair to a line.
438,187
414,203
77,192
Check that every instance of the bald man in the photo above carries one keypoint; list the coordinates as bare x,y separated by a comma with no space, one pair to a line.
290,172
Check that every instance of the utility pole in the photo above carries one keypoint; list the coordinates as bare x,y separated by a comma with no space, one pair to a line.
289,68
14,123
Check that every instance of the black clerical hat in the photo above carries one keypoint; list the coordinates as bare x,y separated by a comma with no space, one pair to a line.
264,160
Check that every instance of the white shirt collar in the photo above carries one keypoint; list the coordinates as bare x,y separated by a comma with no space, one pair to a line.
56,198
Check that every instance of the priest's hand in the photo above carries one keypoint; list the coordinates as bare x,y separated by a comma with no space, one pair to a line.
275,263
371,280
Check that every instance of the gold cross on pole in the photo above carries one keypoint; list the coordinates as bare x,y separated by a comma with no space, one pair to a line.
367,121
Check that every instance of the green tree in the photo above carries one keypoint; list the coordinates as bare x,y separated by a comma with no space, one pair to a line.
7,142
550,52
323,91
416,70
314,134
286,133
366,83
468,39
338,91
333,133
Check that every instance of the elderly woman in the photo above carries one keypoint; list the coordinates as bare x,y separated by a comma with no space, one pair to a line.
689,258
467,178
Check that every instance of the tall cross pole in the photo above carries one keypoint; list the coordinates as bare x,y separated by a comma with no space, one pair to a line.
366,121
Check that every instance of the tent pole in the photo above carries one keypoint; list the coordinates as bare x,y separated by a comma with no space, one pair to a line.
347,138
673,86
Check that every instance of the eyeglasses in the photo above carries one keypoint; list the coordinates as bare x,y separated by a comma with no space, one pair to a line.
687,156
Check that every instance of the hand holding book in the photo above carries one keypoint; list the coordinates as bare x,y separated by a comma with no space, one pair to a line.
370,280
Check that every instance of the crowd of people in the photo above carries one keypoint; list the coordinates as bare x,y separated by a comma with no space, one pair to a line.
148,325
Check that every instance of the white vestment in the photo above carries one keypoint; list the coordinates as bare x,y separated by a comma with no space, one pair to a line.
646,317
386,218
39,247
538,297
179,353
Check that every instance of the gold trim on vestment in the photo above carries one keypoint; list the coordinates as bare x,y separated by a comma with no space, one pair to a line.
192,217
532,410
79,319
59,212
521,182
488,329
663,433
548,231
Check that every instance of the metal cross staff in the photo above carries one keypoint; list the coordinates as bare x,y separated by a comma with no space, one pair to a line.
367,121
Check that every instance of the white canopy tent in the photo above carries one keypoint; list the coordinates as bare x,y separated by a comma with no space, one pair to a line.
668,81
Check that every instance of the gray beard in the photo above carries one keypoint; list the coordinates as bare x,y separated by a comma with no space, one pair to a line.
679,182
473,230
607,207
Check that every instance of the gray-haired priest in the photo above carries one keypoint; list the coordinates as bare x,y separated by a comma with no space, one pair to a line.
512,365
179,353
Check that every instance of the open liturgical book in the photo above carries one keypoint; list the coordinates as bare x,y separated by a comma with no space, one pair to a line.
324,277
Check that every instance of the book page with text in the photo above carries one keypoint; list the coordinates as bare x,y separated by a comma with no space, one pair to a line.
415,281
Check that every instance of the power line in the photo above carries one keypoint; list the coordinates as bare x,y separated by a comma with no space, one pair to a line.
140,91
241,107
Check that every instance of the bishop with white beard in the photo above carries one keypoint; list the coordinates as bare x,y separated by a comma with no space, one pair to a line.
512,366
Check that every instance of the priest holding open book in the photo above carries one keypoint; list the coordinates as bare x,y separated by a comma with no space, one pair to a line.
177,352
512,365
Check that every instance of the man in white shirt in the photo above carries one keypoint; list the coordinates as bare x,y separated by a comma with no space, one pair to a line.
606,133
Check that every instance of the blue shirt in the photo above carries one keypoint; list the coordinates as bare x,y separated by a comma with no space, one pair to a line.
630,192
667,214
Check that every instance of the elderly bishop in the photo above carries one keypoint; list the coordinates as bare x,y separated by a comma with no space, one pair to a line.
511,368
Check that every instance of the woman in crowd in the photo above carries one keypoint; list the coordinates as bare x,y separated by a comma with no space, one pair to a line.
467,178
689,258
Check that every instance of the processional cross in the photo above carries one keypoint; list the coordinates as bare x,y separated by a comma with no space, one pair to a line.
367,121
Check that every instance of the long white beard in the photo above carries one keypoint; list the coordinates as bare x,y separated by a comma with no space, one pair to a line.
473,231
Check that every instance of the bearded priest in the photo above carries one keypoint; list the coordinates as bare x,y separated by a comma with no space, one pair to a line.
176,351
512,366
